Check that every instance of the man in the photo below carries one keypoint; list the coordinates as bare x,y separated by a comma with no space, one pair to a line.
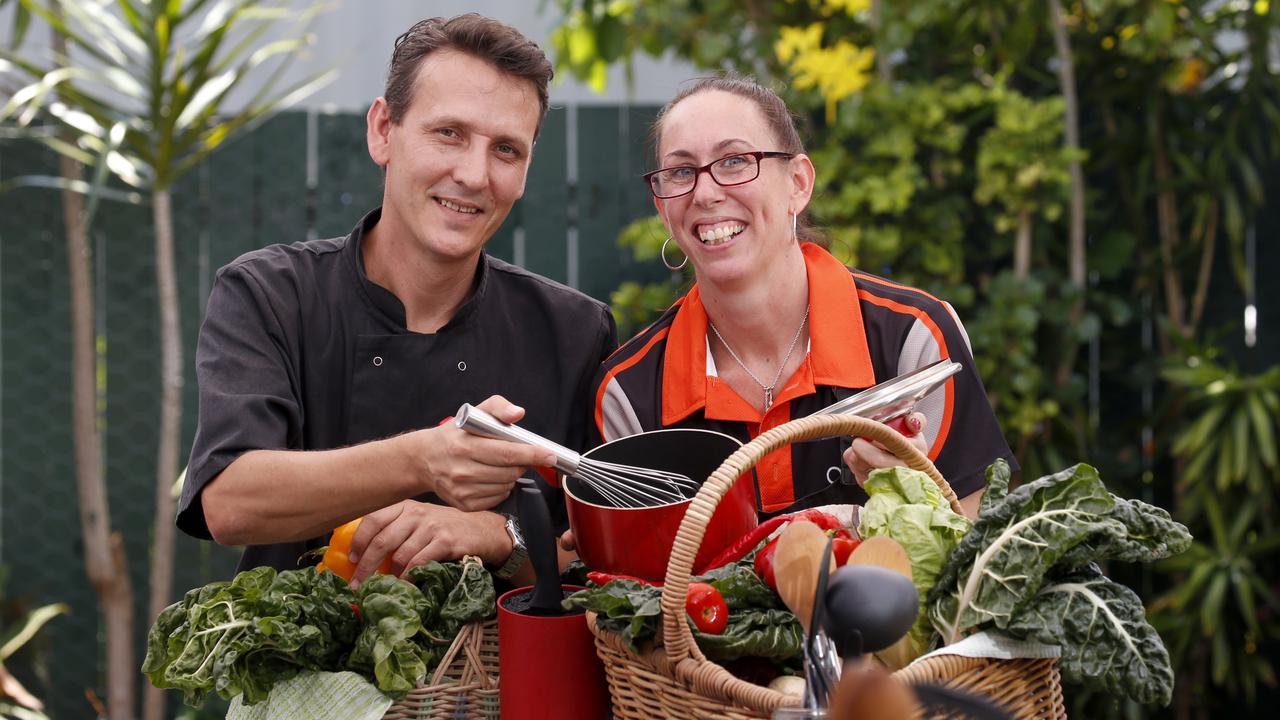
326,368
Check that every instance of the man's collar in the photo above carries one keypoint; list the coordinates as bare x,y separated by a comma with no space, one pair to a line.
386,301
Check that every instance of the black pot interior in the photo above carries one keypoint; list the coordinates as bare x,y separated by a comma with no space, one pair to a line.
690,452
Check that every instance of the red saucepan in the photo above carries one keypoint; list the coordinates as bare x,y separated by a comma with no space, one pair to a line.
638,541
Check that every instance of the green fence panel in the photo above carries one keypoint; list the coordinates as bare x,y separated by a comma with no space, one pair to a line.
348,183
543,212
611,158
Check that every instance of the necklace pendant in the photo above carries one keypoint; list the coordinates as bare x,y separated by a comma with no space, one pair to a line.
768,398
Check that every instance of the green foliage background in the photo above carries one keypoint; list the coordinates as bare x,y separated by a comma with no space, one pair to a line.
951,147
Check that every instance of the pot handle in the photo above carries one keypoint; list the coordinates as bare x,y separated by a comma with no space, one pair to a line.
681,650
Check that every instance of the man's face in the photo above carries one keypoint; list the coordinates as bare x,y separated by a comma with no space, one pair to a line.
456,162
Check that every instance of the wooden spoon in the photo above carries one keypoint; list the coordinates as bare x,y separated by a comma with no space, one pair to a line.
883,551
887,553
869,692
796,564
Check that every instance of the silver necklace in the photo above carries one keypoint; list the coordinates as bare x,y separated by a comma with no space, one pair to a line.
768,389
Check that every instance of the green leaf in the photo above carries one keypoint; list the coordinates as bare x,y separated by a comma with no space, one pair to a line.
1102,629
1263,431
1244,600
1211,608
1240,442
1199,434
27,626
999,565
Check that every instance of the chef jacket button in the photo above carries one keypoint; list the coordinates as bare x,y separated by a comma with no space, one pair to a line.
462,366
377,361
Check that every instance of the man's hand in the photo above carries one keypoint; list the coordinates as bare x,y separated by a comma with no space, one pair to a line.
476,473
864,456
414,533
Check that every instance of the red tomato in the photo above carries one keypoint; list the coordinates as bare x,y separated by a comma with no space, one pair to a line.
841,547
707,608
764,564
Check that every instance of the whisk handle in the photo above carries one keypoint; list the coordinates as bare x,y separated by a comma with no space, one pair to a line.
478,422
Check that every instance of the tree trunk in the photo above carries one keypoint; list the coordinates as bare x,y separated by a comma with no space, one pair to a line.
1067,79
1022,247
1076,248
1167,229
170,423
104,557
1208,241
883,72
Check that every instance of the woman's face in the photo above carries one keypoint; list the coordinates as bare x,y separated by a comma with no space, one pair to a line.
732,233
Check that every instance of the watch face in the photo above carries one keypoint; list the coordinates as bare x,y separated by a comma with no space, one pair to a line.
513,528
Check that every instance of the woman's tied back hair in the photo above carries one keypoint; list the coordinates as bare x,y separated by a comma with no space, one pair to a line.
499,44
783,123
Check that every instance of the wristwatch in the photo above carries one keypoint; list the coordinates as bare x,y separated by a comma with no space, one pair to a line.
519,553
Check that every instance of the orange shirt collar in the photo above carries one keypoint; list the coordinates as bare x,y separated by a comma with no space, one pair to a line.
838,353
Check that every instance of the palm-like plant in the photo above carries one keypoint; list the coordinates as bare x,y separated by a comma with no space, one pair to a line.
141,88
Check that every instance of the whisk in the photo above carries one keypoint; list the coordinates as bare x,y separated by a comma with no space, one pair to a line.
623,486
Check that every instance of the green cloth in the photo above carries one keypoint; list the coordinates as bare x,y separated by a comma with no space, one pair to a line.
316,696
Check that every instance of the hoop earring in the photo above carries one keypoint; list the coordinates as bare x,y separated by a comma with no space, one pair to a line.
794,221
666,262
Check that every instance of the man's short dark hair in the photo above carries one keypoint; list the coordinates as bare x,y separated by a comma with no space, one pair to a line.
499,44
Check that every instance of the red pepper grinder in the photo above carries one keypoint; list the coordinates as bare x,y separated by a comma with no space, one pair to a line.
547,663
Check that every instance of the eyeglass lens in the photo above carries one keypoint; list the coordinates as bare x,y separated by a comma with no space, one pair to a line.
732,170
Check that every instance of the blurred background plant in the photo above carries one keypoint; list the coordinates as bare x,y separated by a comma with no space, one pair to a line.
19,626
1078,227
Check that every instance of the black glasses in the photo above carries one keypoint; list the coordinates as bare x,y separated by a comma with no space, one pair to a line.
728,171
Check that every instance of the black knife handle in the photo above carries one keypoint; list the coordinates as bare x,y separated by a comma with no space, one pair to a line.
539,538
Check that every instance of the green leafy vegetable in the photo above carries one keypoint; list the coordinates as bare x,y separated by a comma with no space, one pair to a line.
391,616
262,627
772,634
1027,568
629,608
759,625
1000,564
907,505
1103,630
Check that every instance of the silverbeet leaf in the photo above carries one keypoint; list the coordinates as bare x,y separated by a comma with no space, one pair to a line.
1028,569
1106,640
1001,562
1149,534
242,637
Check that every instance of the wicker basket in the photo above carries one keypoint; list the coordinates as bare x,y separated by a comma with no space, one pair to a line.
675,680
464,685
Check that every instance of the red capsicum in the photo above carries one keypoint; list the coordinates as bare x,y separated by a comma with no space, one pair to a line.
604,578
748,542
842,547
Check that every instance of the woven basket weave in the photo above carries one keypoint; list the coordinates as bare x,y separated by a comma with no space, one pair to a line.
464,685
675,680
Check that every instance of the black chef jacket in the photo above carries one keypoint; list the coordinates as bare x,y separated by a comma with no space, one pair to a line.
299,350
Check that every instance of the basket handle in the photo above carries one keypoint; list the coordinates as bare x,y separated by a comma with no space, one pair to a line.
677,638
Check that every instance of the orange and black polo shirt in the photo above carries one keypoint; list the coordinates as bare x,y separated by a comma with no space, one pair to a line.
862,330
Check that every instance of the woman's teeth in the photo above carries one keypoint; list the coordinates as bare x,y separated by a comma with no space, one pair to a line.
456,207
717,235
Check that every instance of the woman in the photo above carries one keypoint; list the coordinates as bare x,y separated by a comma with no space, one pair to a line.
775,328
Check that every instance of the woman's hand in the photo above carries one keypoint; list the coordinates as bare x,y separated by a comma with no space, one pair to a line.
864,456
